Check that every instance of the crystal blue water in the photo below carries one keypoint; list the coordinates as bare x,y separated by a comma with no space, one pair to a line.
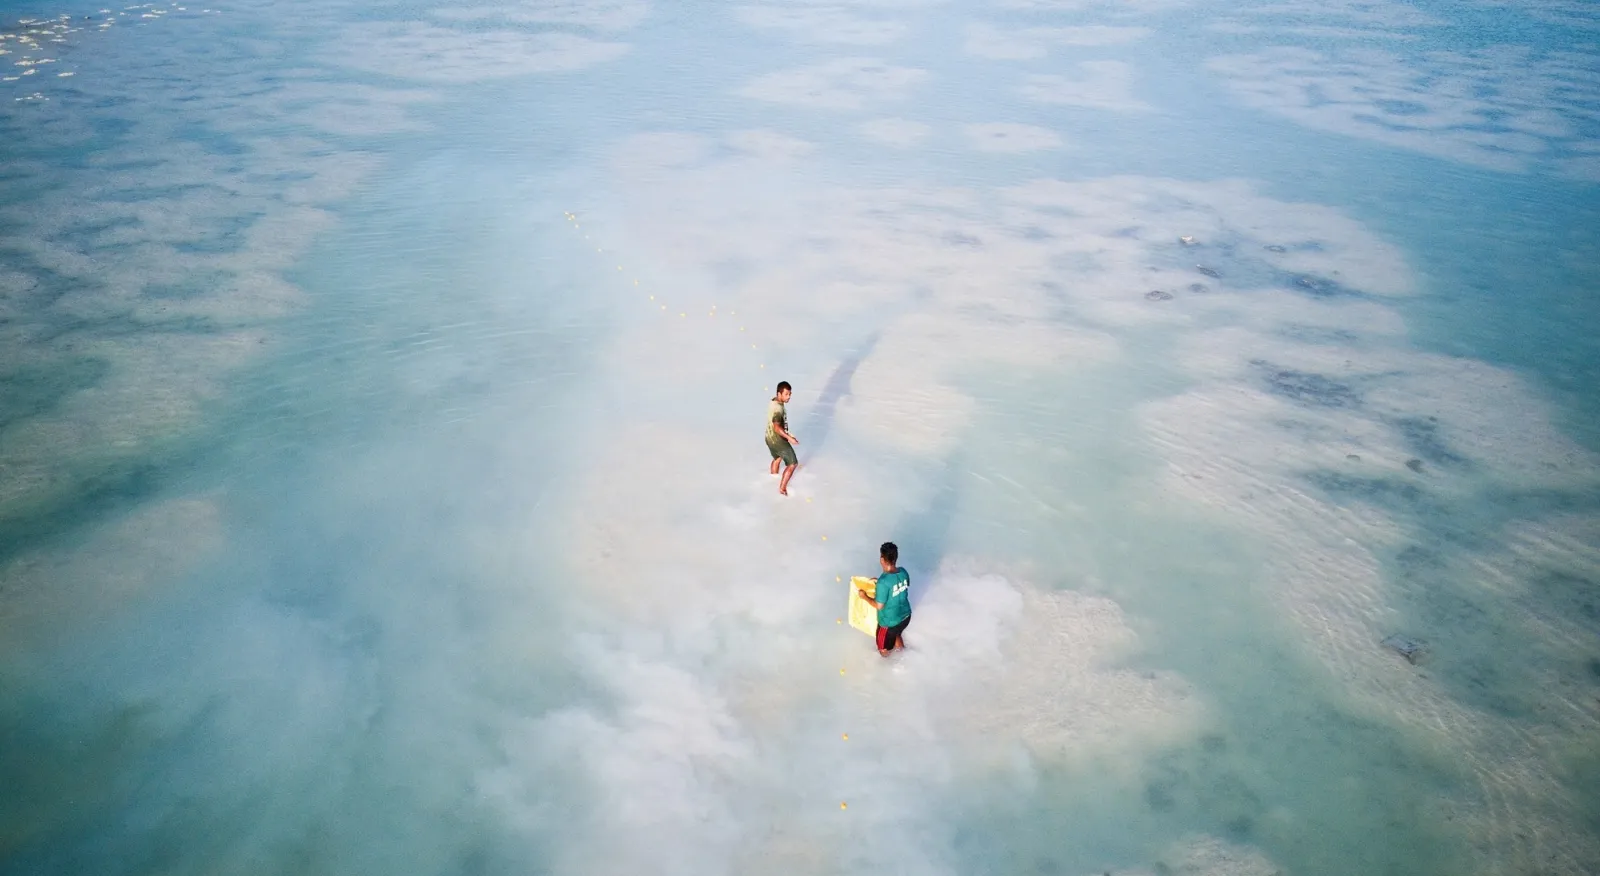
378,478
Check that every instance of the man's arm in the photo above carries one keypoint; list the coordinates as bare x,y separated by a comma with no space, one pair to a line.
868,599
778,427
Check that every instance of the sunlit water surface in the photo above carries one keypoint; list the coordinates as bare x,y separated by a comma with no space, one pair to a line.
380,491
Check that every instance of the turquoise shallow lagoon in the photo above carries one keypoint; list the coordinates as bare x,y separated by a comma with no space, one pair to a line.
380,492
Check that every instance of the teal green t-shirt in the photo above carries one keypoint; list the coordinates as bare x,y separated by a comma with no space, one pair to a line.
894,594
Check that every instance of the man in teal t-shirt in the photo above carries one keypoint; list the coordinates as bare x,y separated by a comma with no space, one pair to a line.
892,599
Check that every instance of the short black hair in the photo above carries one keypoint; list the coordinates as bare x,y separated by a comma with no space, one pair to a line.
889,552
783,385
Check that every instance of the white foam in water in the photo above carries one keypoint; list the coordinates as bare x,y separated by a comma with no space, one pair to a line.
379,486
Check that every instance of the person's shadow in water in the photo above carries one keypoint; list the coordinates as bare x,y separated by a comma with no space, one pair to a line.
819,422
922,536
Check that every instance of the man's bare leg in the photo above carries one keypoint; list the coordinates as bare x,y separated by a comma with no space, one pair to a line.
783,485
773,469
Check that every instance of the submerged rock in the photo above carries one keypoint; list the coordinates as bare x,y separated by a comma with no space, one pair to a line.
1316,285
1309,388
1209,272
1423,436
1273,247
1415,465
1405,646
1198,287
1157,295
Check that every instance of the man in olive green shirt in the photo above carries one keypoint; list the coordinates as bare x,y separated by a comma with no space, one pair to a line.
780,443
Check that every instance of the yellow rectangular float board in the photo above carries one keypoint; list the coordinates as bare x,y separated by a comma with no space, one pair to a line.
862,615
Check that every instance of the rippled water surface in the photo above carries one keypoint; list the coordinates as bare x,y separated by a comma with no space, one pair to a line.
379,478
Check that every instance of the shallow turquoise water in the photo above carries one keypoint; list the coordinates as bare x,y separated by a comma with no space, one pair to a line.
380,490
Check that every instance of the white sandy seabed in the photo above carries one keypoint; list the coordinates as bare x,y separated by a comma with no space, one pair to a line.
722,747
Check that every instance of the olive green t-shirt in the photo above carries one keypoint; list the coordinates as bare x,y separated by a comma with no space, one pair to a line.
776,415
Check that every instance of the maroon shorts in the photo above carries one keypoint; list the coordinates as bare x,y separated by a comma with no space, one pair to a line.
889,637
